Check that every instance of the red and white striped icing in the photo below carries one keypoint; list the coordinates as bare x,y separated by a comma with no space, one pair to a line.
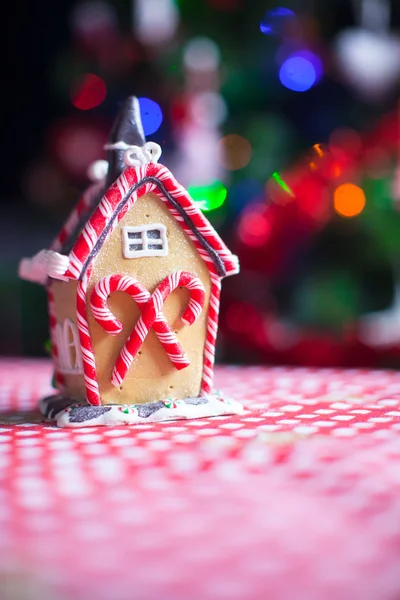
151,317
89,365
80,256
114,195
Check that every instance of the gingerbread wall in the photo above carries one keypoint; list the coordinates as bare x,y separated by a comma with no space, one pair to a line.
151,376
64,293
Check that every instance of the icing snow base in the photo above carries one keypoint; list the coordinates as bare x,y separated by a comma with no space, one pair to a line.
78,415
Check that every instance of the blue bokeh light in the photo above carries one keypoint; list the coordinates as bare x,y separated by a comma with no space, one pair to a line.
151,115
275,20
298,74
314,60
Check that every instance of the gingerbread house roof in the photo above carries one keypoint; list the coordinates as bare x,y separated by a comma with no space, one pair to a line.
121,196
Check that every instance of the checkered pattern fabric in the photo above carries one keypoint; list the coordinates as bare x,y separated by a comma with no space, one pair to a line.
299,497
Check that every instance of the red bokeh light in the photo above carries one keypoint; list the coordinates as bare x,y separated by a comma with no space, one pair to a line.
88,92
254,226
75,143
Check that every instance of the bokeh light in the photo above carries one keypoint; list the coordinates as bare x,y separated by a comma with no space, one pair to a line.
276,177
312,196
254,226
318,153
349,200
201,54
234,152
75,145
278,190
208,197
93,17
298,73
151,115
319,159
208,108
276,21
314,59
368,60
155,23
88,92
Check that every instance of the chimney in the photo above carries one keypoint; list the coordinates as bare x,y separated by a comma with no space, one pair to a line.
128,129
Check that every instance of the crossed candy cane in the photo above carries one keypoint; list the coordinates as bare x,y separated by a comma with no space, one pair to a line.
151,317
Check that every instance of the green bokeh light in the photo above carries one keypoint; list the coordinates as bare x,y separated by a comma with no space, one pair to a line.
282,183
208,197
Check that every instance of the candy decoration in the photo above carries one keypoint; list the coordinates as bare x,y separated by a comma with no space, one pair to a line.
172,402
225,400
212,329
128,409
89,365
151,317
138,292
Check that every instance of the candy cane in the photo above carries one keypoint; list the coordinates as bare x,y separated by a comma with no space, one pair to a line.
151,317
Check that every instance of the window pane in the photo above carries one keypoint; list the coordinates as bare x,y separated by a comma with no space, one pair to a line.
154,234
155,246
133,247
134,235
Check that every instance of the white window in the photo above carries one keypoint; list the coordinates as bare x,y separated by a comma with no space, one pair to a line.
69,348
145,240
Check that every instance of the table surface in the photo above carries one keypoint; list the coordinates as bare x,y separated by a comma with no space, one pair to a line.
296,498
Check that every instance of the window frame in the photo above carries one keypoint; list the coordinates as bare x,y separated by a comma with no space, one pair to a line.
144,240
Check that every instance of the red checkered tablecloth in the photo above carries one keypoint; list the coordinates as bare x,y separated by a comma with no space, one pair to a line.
297,498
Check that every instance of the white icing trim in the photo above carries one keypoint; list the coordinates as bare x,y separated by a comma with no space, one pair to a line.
135,156
153,151
44,264
64,343
144,240
213,408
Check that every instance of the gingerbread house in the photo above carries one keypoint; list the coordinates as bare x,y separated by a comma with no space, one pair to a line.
134,280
